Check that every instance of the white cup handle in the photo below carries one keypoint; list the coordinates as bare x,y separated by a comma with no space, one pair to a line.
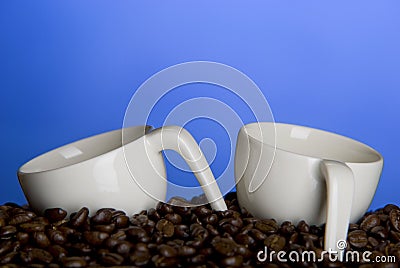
340,191
180,140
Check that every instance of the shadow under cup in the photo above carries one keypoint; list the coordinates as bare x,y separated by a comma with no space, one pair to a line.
294,186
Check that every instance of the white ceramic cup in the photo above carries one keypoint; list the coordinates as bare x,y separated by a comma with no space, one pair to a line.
316,176
93,172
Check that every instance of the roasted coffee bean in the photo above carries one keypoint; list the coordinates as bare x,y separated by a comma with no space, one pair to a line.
245,239
124,248
41,239
275,242
224,246
202,211
111,259
211,219
55,214
121,221
233,261
394,217
31,227
41,255
25,257
164,208
5,247
358,238
20,218
181,231
74,262
8,257
388,208
267,226
2,222
109,228
373,242
303,227
167,251
7,232
174,218
95,238
370,222
198,259
57,251
258,235
287,228
353,226
102,216
379,232
395,236
140,258
79,218
57,237
186,251
165,227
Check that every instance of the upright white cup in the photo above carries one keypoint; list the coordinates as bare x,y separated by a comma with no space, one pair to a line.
93,172
316,176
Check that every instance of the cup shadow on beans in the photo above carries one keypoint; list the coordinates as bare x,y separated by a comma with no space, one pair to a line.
174,235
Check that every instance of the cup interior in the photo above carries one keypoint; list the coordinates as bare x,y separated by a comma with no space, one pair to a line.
312,142
83,150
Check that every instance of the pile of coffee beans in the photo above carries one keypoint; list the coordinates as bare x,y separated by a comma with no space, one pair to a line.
178,236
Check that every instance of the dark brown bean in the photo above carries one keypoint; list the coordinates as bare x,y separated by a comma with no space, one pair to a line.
8,231
74,262
287,228
80,217
41,255
167,251
112,259
31,227
388,208
121,221
258,235
245,239
124,248
233,261
8,257
379,232
358,238
394,217
57,251
55,214
174,218
56,237
109,228
41,239
165,227
370,222
95,238
267,226
20,218
5,247
102,216
224,246
186,251
303,227
275,242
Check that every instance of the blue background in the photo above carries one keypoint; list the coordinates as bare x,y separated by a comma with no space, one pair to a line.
69,68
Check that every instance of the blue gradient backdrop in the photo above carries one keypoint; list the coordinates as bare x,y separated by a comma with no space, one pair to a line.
69,68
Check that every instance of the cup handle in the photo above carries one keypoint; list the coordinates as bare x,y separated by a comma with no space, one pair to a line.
340,191
180,140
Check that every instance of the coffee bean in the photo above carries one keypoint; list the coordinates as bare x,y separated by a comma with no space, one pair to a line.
167,251
233,261
267,226
74,262
41,255
140,258
174,218
8,257
31,227
20,218
56,236
7,232
95,238
388,208
5,247
102,216
22,237
303,227
55,214
109,228
245,239
370,222
186,251
372,241
164,208
394,217
165,227
198,259
258,235
79,218
2,222
160,261
358,239
41,239
379,232
224,246
275,242
121,221
287,228
57,251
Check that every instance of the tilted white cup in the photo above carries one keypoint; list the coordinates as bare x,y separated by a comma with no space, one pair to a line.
316,176
93,172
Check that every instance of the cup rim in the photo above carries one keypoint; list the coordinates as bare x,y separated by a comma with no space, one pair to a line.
378,156
91,138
